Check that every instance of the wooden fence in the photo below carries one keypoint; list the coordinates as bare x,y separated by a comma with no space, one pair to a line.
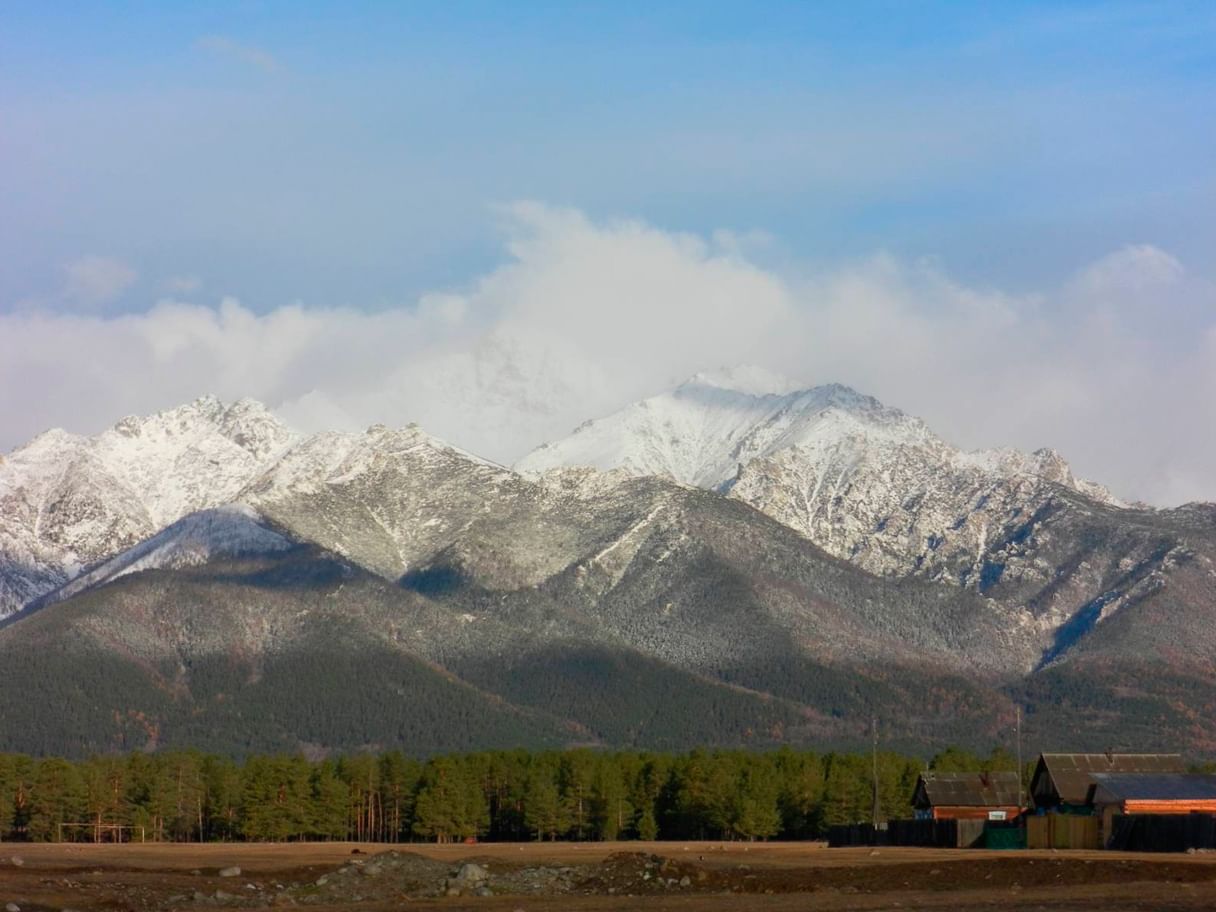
1163,832
1062,831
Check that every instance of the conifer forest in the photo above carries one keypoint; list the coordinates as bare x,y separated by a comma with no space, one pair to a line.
491,796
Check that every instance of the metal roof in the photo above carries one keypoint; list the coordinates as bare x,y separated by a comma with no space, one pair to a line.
936,789
1156,786
1071,774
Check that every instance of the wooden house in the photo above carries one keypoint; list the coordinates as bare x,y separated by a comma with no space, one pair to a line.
1061,782
1152,793
967,796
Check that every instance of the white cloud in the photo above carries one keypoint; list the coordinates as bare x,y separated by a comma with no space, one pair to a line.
1134,268
182,284
94,280
584,317
236,50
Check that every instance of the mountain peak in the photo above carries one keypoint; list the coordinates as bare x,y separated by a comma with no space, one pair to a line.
749,381
246,422
69,500
700,432
744,378
49,441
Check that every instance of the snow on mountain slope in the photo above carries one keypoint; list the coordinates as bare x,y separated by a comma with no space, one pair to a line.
233,530
385,498
67,502
397,502
701,432
866,482
194,456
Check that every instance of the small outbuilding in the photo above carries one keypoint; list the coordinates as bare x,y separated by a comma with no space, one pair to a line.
967,796
1062,782
1144,793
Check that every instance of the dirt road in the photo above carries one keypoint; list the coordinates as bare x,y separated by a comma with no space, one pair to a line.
680,877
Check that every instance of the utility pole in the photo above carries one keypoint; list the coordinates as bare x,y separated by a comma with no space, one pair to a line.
874,758
1018,732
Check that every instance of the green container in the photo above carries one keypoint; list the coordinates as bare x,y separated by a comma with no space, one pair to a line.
1004,837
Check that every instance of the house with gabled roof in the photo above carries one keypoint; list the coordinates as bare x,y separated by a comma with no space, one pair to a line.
967,796
1062,782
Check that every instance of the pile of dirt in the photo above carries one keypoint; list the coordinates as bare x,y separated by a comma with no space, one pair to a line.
406,875
384,876
401,875
537,879
638,873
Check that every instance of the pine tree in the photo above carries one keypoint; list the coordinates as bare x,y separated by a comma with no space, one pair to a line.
14,785
222,781
545,813
503,776
757,815
801,792
329,803
647,826
610,808
398,781
706,794
848,795
652,775
105,791
23,771
576,776
450,804
182,773
56,796
275,798
362,775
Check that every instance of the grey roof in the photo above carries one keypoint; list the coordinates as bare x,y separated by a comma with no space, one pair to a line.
1156,786
1071,774
936,789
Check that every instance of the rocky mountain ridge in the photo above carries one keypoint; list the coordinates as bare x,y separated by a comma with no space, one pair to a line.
568,597
68,502
868,483
711,426
576,601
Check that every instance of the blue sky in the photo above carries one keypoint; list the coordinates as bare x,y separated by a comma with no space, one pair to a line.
500,219
345,153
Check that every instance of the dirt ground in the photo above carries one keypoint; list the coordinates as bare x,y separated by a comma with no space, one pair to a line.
656,877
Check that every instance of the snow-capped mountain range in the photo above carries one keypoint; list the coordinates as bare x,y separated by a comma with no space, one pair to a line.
864,481
736,539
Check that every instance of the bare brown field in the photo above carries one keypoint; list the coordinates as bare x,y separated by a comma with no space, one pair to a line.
680,877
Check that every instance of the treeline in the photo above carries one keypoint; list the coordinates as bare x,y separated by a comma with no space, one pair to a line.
505,795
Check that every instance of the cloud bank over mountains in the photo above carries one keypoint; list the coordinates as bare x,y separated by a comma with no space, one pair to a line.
1116,367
